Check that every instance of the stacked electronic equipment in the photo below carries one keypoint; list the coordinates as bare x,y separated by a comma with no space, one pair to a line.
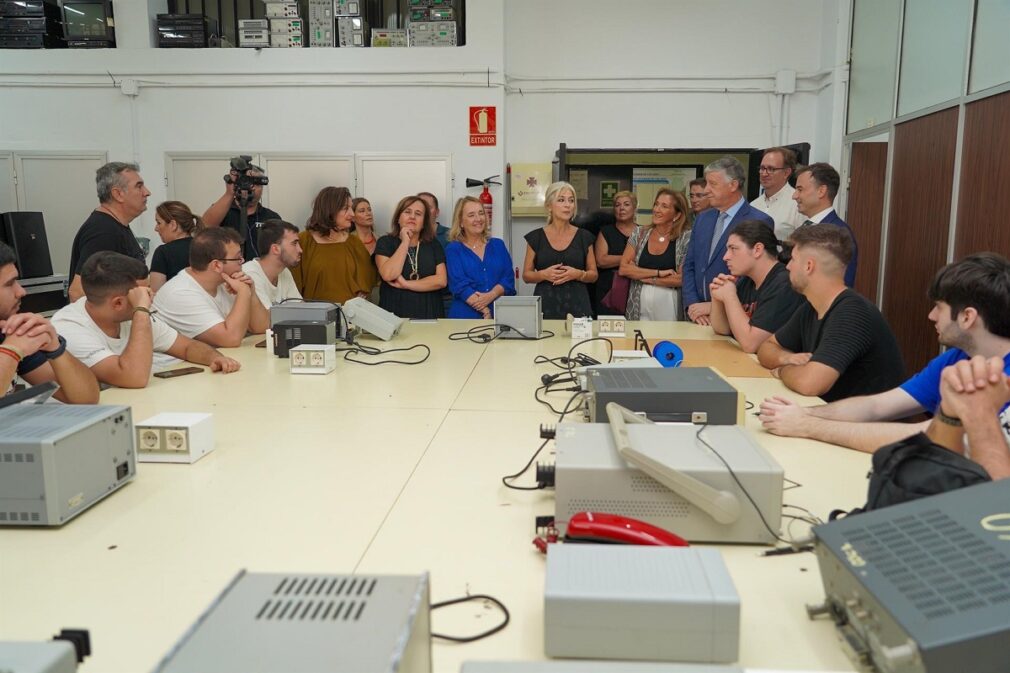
186,31
282,27
432,23
30,24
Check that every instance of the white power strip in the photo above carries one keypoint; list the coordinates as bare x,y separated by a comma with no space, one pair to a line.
175,438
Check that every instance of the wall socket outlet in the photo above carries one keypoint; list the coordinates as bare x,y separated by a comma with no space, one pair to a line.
175,438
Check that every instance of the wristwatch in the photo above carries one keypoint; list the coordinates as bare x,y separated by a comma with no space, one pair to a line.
952,421
60,350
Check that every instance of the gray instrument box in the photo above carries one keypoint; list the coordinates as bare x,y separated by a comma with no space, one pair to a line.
922,587
674,394
57,656
522,314
58,460
586,666
272,622
309,311
431,34
591,476
352,31
645,603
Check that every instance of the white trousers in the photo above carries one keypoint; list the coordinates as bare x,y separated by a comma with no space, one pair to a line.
659,303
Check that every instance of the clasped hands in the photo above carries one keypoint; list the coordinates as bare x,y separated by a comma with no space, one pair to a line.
974,388
29,333
559,274
237,283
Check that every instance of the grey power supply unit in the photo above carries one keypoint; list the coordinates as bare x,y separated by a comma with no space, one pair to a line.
320,21
673,394
587,666
272,622
518,317
922,587
51,657
352,31
291,333
58,460
643,603
591,476
309,311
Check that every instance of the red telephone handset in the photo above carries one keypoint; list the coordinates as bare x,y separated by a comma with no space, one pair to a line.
598,527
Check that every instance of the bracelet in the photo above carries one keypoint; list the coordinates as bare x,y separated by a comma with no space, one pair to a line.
11,353
14,351
60,350
142,309
952,421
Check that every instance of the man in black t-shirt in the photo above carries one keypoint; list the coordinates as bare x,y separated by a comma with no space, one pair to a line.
122,196
225,213
757,299
837,345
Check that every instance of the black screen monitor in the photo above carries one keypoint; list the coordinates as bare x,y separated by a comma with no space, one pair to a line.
88,20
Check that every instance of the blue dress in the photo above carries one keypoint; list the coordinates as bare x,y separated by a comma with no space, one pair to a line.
468,273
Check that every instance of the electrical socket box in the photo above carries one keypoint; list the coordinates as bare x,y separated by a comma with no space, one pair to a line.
347,7
352,31
313,359
284,26
287,10
175,437
389,38
612,325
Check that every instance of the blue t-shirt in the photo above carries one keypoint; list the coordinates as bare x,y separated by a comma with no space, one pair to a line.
924,387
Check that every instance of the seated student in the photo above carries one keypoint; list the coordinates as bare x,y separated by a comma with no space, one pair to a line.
972,393
836,345
280,251
756,300
31,348
411,263
479,266
971,314
175,224
111,329
335,265
212,300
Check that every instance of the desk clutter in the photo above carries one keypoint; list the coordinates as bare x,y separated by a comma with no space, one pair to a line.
648,460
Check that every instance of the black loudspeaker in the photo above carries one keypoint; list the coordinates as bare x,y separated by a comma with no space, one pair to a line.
26,233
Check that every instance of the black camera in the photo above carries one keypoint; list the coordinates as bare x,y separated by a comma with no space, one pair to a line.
243,181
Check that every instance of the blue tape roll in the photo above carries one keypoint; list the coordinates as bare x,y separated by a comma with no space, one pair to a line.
668,353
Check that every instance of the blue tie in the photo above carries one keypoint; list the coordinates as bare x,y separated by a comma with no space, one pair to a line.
717,234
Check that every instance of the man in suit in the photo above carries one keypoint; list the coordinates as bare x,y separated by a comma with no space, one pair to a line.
816,187
724,179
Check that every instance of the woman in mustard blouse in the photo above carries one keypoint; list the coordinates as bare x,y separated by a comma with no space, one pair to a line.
335,266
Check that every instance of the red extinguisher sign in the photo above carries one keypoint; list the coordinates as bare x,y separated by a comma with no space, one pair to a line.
483,125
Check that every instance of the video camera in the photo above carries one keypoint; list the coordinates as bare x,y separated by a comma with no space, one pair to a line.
242,165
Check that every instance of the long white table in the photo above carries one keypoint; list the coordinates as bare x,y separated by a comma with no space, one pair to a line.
392,469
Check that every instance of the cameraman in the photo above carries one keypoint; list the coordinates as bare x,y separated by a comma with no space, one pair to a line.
225,211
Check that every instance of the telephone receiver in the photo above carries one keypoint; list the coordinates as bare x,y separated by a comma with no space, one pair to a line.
612,529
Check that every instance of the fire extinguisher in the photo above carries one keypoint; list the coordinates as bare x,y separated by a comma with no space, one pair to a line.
485,196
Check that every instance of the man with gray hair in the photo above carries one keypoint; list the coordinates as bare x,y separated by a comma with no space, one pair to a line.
725,180
122,196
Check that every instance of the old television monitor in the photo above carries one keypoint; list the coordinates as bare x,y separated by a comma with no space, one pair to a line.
89,23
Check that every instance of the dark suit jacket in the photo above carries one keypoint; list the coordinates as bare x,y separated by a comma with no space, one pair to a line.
700,268
850,270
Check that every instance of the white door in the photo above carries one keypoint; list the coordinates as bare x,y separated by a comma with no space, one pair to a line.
8,188
296,179
197,179
385,179
62,187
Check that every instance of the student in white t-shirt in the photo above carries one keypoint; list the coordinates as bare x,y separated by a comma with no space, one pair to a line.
280,250
212,300
111,329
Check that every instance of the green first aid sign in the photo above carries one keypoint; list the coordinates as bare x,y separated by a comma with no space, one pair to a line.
608,188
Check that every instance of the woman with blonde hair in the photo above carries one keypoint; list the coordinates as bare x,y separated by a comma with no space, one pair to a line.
411,263
479,266
175,223
653,258
559,258
335,266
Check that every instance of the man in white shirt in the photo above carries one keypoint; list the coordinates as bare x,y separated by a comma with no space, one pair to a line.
111,330
776,199
212,299
280,251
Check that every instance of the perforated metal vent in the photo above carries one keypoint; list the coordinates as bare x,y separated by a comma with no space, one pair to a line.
632,508
627,378
318,599
17,458
941,567
19,516
38,421
641,483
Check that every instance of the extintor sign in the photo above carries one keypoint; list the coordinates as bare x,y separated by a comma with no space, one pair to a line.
483,126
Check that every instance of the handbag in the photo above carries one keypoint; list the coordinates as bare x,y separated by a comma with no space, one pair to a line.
616,298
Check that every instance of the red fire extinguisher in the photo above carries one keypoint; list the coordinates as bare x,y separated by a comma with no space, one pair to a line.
485,196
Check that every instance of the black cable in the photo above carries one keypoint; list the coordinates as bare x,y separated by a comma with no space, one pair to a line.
546,388
757,509
506,479
479,334
479,636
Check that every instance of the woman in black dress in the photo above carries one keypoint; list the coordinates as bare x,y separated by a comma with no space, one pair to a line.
559,258
612,241
411,263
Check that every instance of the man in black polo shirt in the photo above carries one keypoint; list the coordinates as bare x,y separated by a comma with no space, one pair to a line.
122,196
837,345
225,213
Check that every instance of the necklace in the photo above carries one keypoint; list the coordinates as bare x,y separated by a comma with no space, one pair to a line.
413,261
662,237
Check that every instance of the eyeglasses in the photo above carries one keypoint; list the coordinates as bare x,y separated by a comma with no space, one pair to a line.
699,196
231,259
769,169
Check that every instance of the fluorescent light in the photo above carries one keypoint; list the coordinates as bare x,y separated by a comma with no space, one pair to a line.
71,9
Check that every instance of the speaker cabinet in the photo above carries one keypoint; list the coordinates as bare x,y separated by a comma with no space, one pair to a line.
26,233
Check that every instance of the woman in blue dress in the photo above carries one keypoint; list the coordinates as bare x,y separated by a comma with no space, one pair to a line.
479,267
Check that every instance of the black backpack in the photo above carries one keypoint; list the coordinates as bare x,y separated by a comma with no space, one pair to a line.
915,468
